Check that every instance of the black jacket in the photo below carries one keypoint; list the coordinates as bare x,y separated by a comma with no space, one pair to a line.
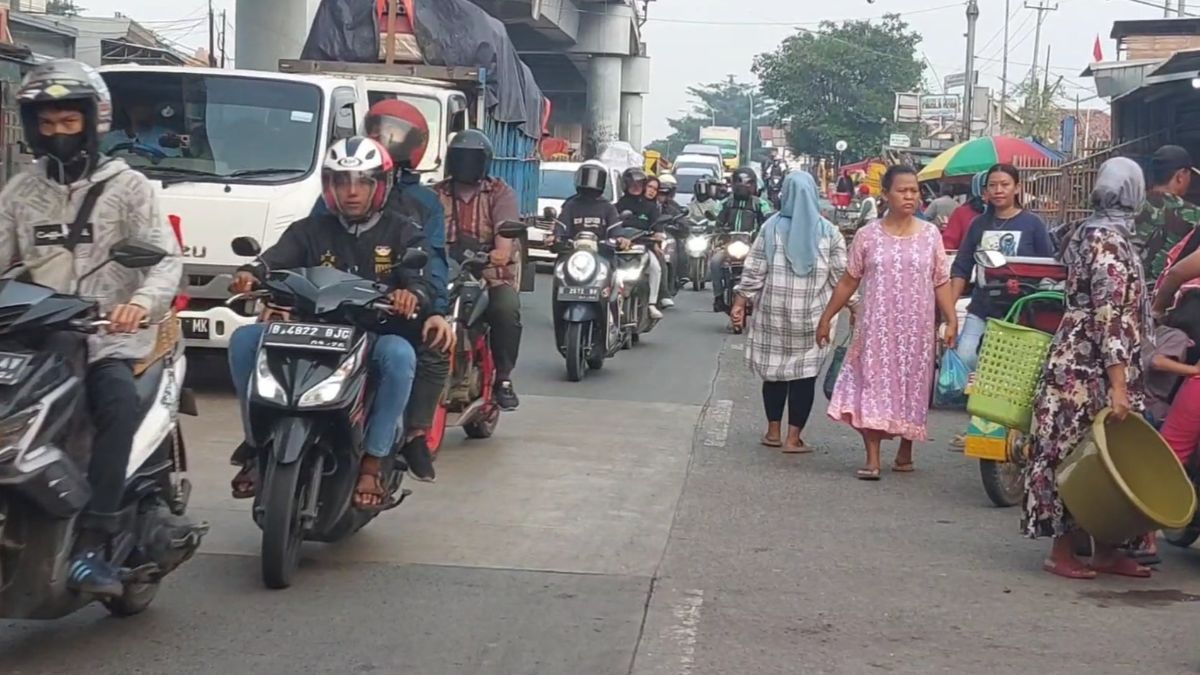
581,212
645,212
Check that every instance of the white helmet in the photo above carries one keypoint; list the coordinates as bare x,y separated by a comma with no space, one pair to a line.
357,159
667,183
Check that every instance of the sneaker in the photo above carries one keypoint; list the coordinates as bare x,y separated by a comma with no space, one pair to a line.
655,313
506,396
667,303
419,460
90,573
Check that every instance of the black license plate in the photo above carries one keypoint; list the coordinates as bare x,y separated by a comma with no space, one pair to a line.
12,367
579,293
195,328
315,336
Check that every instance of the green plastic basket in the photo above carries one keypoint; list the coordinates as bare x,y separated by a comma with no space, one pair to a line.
1011,360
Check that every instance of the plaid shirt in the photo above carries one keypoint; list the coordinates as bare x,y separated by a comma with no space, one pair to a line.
478,217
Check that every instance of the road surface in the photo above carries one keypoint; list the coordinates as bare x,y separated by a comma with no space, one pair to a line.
631,523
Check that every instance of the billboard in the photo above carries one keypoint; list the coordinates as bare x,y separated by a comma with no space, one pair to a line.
912,108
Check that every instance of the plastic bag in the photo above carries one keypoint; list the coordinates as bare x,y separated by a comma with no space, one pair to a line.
835,367
950,390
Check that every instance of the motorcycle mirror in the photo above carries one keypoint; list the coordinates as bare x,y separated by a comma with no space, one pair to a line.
247,247
511,229
414,259
990,259
135,254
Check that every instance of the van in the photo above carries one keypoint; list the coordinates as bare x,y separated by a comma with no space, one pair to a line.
556,185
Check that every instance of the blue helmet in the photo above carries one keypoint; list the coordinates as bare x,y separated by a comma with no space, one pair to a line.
979,184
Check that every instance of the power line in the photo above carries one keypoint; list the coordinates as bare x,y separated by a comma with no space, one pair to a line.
779,22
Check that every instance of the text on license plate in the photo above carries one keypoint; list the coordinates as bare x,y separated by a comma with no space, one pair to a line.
12,366
322,337
579,293
195,328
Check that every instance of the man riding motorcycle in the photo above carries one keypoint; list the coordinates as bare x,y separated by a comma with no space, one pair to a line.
65,109
476,204
668,186
645,215
704,205
361,236
743,212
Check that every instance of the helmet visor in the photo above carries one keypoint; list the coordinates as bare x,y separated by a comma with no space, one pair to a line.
591,178
354,194
467,165
405,141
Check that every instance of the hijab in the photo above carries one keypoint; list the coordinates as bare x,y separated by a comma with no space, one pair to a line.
1119,193
798,224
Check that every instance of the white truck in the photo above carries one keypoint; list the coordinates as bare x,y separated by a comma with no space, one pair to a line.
248,152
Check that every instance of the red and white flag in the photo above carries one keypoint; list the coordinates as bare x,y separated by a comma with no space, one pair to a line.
1097,52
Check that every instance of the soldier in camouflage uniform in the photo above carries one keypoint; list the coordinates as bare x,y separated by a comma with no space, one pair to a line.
1166,217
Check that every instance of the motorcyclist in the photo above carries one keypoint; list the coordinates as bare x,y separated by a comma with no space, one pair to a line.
744,211
722,189
476,205
360,235
704,205
670,208
645,216
402,128
65,111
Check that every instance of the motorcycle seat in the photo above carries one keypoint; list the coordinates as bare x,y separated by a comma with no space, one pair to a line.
147,385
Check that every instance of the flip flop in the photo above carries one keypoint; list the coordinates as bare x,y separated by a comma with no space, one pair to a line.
771,443
802,449
907,467
1124,567
1081,572
867,474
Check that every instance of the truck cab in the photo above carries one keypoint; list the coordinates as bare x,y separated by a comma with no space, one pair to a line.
239,153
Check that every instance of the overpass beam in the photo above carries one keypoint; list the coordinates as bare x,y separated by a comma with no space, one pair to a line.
270,30
603,101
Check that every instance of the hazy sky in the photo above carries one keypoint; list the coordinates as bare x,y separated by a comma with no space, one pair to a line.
703,40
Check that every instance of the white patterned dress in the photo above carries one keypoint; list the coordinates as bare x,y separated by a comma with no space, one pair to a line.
781,343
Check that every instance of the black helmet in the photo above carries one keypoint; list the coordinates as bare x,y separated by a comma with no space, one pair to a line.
68,85
591,175
631,176
701,189
745,182
469,156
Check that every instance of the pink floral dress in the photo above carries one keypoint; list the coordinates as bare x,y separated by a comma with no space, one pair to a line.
885,381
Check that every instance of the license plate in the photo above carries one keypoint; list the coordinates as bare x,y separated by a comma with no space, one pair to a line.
314,336
196,328
579,293
12,367
535,234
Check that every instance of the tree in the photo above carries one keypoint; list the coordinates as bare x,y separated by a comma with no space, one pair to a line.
63,7
838,83
1039,111
727,103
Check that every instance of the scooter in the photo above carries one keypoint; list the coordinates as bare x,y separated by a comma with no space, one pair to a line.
469,401
676,229
1033,286
46,440
588,303
737,247
633,279
698,245
307,408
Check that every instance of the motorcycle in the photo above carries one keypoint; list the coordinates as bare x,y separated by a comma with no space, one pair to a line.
1003,452
589,304
698,245
307,408
737,247
46,438
676,230
469,401
774,190
633,281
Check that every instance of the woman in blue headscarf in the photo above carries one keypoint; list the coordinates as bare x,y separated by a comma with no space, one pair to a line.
789,277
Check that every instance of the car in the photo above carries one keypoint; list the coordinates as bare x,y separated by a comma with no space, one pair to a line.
556,184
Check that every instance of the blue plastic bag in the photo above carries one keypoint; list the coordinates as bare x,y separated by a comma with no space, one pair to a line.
950,390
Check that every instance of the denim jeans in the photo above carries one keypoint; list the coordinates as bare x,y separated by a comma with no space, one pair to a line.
969,337
393,362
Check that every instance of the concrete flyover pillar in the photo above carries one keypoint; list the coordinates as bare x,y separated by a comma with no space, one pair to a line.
603,101
270,30
631,119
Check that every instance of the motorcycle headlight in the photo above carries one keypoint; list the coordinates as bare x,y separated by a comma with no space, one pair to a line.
330,388
737,249
16,431
697,245
265,384
581,266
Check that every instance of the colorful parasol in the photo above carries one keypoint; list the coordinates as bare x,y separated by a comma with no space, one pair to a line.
979,154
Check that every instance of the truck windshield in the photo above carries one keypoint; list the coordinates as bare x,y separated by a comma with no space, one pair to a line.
201,126
431,108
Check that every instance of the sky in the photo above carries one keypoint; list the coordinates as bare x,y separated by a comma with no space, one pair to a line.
693,41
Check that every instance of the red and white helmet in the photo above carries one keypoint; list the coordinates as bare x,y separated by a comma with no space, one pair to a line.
355,160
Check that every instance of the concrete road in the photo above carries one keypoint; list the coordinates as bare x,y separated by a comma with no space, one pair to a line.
632,524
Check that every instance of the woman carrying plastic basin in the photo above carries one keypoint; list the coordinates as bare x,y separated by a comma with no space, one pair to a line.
1094,362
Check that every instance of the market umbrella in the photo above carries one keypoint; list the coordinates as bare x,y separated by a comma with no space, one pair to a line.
979,154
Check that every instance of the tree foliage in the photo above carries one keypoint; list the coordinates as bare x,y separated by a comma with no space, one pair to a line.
1039,111
839,82
63,8
728,101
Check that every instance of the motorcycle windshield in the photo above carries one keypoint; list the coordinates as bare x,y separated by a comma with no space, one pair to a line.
315,291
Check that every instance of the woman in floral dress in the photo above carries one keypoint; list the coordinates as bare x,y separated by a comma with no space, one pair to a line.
883,387
1095,361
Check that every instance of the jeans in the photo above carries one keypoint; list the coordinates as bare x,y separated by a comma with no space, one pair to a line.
716,274
504,316
797,394
969,337
112,398
433,367
393,362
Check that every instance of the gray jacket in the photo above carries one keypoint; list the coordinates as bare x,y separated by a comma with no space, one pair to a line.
32,205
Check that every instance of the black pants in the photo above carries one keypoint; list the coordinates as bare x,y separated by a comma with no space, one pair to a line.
797,394
433,367
112,398
504,316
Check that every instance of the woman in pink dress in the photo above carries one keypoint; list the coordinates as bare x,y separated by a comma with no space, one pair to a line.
884,385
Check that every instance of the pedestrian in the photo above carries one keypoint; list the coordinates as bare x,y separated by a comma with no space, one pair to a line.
884,384
788,279
943,207
1166,217
1095,362
962,217
868,208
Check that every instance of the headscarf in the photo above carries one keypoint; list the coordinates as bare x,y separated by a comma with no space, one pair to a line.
1119,193
798,223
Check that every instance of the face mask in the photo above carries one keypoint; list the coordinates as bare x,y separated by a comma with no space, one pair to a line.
64,147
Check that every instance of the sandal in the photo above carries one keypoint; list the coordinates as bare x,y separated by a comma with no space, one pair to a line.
867,473
245,484
771,442
1123,566
1068,570
372,496
802,449
906,467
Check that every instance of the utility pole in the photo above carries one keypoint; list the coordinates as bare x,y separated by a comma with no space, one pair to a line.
1166,8
1182,7
212,36
1041,8
221,44
969,82
1004,70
